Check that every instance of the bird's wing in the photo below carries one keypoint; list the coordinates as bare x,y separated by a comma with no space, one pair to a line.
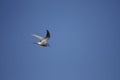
47,35
39,37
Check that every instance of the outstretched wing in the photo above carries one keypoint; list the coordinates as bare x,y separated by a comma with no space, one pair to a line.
39,37
47,35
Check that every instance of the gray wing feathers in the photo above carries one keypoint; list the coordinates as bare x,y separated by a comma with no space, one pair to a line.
39,37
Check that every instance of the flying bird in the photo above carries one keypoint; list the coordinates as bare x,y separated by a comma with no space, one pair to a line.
42,41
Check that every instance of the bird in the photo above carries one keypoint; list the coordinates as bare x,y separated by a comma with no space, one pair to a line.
42,40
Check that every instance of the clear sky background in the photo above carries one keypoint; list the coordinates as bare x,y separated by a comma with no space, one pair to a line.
84,44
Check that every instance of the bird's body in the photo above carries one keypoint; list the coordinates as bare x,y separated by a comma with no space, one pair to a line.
43,41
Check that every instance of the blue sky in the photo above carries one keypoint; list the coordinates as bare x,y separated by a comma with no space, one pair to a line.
84,44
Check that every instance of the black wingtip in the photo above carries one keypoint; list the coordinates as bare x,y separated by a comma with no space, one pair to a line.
48,34
47,31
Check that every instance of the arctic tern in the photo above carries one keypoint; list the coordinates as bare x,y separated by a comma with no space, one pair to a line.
42,40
